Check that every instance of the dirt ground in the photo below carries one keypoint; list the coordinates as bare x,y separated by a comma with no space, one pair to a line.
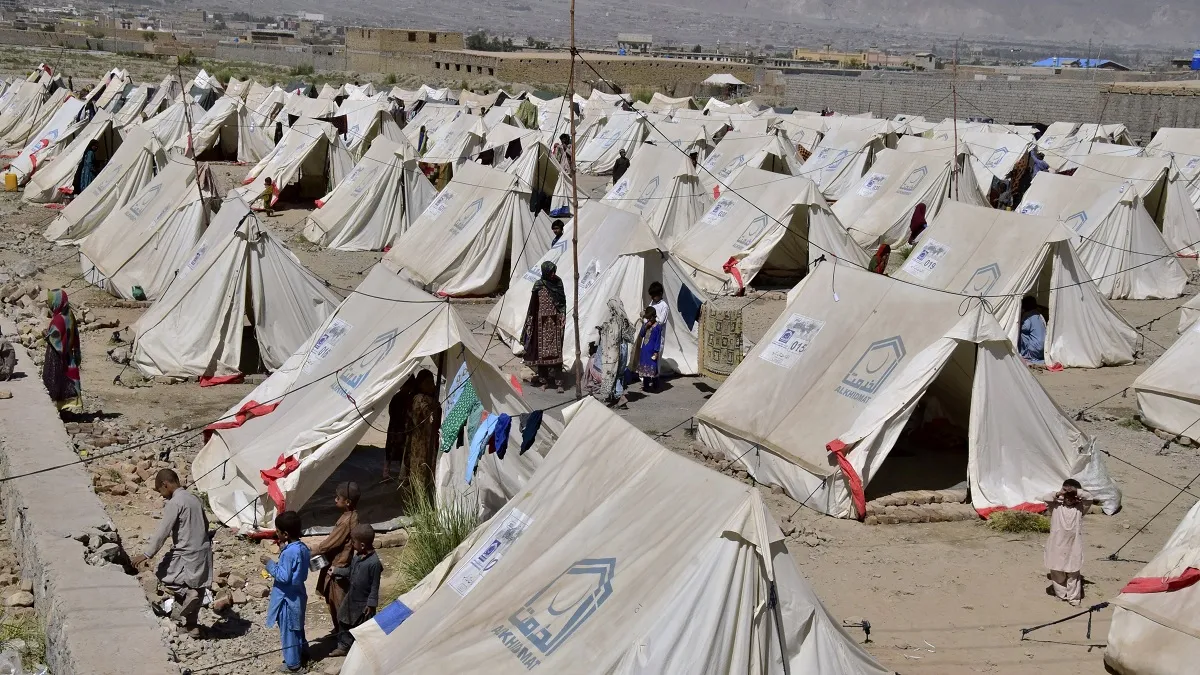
941,598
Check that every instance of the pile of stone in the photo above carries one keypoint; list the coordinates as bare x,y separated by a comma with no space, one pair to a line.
102,546
920,506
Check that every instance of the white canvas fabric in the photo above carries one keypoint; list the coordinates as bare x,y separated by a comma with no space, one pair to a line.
619,257
35,118
737,151
297,105
623,131
376,202
1168,394
661,103
145,242
879,209
1157,633
238,271
365,118
231,126
49,141
845,366
687,135
805,131
237,88
328,92
992,155
1117,240
662,187
765,223
47,184
840,160
431,117
129,112
456,142
1165,192
169,89
318,405
128,171
1005,255
306,149
478,226
26,102
1182,148
1189,312
668,587
170,125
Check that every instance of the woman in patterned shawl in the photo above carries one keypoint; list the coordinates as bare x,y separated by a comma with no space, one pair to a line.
544,325
60,369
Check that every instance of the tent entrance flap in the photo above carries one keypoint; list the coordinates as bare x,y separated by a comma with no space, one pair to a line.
932,450
787,263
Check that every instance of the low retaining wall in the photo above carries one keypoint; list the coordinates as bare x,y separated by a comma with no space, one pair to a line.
96,618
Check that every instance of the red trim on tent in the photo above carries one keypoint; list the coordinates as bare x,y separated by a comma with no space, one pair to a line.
67,190
283,467
731,269
1028,507
236,378
247,412
56,207
516,383
319,203
248,181
857,496
1162,585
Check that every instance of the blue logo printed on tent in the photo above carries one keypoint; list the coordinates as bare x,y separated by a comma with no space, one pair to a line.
468,214
553,614
648,193
390,617
732,166
913,181
983,280
873,368
996,158
135,210
1076,221
837,161
752,233
353,375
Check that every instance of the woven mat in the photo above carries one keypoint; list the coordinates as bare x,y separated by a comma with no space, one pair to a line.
720,338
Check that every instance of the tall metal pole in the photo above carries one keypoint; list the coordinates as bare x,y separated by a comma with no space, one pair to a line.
574,211
187,116
954,91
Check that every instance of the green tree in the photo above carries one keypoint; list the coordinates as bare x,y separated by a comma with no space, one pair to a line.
697,49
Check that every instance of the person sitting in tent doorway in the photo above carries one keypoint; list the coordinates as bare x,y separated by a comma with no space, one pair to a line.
267,196
1031,344
620,166
917,224
87,167
424,421
545,322
649,349
397,430
1064,547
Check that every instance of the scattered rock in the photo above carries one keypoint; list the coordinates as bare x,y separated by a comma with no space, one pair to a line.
788,528
239,598
223,603
236,581
258,591
1165,435
119,355
19,599
27,585
394,539
5,394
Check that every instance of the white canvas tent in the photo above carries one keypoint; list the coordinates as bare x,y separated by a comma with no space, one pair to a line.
1168,393
232,128
991,155
840,160
623,131
298,105
171,125
128,171
879,209
309,154
1189,312
148,240
737,151
306,419
56,178
767,224
49,141
662,103
1117,240
128,110
367,119
378,200
1004,256
622,581
619,257
455,142
819,404
662,187
1182,148
478,226
1154,628
238,278
1165,193
37,117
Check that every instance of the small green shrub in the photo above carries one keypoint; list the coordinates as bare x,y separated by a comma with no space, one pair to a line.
436,530
1018,522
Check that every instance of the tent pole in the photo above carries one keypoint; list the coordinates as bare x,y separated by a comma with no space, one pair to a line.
187,116
574,210
954,91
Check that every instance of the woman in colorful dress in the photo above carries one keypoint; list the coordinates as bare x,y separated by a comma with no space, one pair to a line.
649,349
60,369
544,325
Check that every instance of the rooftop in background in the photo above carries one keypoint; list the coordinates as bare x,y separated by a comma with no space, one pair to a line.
1076,62
635,38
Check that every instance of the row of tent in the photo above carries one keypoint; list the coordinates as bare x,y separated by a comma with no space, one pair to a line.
817,408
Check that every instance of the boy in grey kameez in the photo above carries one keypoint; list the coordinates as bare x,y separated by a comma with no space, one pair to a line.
186,569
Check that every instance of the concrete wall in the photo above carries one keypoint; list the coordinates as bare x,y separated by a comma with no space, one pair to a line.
402,40
97,619
1005,99
284,57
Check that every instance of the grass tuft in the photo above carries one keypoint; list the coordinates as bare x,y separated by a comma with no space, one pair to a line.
1018,522
436,530
1132,423
28,630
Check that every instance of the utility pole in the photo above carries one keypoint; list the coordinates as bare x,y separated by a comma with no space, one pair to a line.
574,211
187,116
954,92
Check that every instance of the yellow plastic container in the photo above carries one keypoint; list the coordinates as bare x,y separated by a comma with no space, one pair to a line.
10,182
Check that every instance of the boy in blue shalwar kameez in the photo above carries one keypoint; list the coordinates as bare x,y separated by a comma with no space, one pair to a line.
288,597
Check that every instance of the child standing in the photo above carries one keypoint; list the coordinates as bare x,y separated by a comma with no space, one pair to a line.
336,549
649,349
288,597
1064,548
362,598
